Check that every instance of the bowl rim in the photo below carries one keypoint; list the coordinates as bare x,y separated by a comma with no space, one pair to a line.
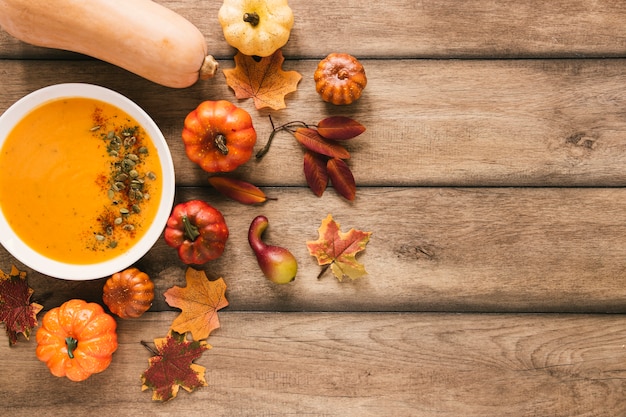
83,272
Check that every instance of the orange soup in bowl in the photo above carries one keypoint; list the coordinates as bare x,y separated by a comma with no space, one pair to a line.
81,180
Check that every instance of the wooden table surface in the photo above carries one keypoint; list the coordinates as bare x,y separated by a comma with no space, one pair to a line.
491,175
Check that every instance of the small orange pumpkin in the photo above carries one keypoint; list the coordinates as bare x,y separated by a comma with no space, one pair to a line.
218,136
340,79
128,293
76,340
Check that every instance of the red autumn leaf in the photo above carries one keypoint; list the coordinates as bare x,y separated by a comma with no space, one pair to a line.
199,301
315,172
263,80
313,141
338,250
17,313
342,179
339,128
172,367
238,190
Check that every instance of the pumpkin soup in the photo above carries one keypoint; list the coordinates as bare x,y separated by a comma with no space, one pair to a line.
80,181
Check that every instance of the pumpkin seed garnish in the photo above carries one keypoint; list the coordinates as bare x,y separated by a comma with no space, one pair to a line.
125,187
121,177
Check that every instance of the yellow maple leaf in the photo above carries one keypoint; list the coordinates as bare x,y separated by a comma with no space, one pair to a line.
199,302
262,80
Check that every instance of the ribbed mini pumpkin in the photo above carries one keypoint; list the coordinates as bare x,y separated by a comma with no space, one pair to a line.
128,293
340,79
76,339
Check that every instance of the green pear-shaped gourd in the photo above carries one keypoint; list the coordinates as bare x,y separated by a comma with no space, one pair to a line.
277,263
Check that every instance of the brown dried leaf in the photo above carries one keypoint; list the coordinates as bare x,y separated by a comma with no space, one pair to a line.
339,128
341,177
238,190
315,172
264,80
313,141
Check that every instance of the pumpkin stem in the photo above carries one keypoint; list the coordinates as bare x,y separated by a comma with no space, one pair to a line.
72,344
191,230
252,18
220,143
343,74
209,67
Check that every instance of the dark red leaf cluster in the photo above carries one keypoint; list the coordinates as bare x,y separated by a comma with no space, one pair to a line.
324,159
325,155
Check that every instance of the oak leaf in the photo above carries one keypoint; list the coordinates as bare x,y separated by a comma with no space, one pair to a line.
199,301
17,312
172,367
263,80
338,250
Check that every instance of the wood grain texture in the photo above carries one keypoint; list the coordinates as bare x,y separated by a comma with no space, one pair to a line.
491,176
422,29
321,364
429,123
431,249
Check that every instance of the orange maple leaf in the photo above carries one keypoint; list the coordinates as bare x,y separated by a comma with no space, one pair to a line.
338,250
263,80
199,302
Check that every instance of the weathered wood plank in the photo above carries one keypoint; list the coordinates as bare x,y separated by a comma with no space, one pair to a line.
433,123
326,364
427,29
432,249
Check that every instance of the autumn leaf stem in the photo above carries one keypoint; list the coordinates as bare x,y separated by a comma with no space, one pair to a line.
288,127
324,269
150,349
266,148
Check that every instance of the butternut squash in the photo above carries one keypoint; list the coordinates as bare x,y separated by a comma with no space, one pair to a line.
140,36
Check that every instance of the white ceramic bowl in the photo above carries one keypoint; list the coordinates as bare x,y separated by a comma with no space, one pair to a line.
54,268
